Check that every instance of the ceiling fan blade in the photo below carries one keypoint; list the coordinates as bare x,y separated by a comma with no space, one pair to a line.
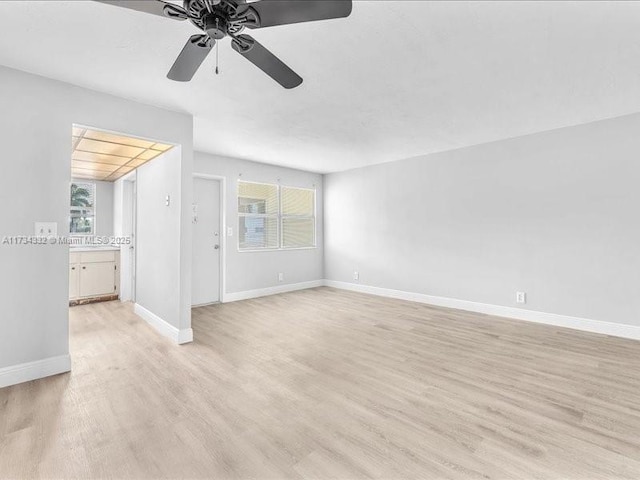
283,12
155,7
266,61
191,57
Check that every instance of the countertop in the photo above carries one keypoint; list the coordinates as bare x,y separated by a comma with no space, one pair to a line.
97,248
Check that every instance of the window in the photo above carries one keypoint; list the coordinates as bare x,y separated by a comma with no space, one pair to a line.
298,213
258,216
273,217
82,214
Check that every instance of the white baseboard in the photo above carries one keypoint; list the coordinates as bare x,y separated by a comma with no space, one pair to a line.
263,292
25,372
208,304
185,336
163,327
576,323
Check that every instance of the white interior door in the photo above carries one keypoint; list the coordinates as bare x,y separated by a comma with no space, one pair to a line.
206,242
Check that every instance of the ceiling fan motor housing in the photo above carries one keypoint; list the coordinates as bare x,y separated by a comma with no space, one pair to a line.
216,26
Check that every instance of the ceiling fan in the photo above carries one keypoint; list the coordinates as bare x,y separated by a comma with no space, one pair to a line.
221,18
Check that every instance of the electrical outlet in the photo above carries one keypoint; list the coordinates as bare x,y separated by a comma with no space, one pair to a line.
46,229
356,275
521,297
281,277
229,232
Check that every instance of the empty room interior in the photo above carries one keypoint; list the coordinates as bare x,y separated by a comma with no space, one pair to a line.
320,239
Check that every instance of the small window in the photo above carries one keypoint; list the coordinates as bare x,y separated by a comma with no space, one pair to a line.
257,216
298,217
82,209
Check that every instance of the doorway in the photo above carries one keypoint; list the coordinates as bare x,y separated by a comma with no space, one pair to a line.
208,240
103,243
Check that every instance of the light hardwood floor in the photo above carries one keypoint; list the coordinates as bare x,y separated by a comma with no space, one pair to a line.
326,384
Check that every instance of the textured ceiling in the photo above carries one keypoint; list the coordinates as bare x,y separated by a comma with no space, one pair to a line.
396,79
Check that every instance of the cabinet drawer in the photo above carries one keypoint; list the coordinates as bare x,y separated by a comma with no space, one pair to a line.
74,258
98,257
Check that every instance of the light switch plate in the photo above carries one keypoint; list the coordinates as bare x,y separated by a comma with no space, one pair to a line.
46,229
229,232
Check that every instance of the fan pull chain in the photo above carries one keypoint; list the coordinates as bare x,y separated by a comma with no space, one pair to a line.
217,70
217,44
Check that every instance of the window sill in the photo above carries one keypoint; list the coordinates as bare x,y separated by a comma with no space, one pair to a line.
275,249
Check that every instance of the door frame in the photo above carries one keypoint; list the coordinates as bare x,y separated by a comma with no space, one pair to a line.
223,229
133,257
129,268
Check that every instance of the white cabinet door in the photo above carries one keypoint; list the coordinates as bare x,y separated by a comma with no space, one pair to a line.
74,279
97,279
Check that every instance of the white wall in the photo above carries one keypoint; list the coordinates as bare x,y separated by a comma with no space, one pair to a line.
158,231
118,208
103,206
38,116
257,270
553,214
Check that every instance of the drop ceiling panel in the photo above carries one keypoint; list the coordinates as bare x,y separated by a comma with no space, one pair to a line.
95,146
119,139
119,173
84,176
148,154
136,162
107,156
123,170
88,173
99,158
100,167
162,147
89,167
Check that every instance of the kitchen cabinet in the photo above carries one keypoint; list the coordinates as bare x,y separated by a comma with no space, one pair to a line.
93,274
74,279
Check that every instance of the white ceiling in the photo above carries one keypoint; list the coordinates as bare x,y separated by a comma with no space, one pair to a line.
396,79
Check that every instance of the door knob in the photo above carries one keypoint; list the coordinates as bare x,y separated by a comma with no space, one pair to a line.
216,246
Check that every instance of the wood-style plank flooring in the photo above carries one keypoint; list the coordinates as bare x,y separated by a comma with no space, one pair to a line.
326,384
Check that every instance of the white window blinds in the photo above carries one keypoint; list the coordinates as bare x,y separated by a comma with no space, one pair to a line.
273,217
298,217
258,216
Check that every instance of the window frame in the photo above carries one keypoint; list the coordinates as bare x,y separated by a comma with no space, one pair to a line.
279,217
93,209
